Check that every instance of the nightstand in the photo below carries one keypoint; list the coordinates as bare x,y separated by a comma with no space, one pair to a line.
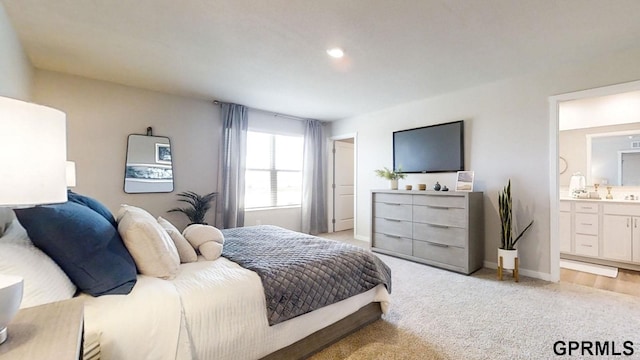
50,331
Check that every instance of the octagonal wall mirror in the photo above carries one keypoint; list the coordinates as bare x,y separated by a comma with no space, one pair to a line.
149,167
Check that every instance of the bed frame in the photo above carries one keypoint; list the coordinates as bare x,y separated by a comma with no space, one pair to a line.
322,338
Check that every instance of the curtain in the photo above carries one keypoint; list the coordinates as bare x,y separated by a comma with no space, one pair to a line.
314,214
234,149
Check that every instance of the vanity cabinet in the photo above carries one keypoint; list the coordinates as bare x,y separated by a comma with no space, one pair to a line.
443,229
620,228
601,232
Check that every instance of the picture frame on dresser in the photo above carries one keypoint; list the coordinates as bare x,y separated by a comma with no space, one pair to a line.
464,181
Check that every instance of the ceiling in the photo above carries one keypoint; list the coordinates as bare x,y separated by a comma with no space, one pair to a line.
270,54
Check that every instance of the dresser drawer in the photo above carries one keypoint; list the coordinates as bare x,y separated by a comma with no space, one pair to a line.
393,243
586,224
392,211
393,198
392,227
438,215
444,254
586,245
447,235
586,207
439,200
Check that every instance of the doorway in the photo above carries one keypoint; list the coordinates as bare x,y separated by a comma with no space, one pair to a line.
342,210
554,115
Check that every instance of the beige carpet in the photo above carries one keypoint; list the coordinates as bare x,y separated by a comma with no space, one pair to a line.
437,314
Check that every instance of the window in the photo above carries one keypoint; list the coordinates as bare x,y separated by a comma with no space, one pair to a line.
274,170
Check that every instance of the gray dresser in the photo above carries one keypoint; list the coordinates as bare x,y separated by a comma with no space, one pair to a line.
443,229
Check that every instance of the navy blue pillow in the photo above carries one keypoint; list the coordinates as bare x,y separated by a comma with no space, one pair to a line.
93,204
84,244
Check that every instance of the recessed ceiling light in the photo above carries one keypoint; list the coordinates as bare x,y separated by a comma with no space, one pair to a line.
335,53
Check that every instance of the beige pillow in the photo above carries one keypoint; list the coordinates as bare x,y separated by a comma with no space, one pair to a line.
206,238
151,247
185,250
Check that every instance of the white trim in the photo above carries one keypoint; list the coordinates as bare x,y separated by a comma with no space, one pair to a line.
554,185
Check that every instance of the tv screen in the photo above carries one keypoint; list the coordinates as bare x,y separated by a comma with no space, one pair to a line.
435,148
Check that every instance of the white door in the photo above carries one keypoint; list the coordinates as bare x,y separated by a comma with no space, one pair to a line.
343,176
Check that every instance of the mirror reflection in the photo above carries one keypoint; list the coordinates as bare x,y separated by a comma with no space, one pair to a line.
149,167
615,158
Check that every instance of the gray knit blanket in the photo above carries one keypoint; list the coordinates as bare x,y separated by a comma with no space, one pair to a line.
301,273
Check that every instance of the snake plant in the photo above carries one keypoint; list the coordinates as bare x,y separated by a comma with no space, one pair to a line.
507,241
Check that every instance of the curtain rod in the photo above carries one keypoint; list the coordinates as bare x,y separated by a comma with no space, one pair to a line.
216,102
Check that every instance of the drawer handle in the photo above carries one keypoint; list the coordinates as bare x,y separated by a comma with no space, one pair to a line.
585,245
436,244
586,224
438,226
394,220
438,207
394,204
393,236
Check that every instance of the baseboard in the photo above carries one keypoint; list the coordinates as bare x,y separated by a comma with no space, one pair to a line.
596,269
524,272
362,238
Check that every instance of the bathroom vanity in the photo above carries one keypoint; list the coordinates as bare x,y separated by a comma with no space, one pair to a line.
604,232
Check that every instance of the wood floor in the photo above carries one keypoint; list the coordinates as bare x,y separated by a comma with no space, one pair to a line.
627,281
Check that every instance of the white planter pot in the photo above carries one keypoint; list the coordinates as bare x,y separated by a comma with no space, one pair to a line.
508,258
393,184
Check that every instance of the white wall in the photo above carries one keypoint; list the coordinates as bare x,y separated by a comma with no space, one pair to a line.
507,135
100,116
16,71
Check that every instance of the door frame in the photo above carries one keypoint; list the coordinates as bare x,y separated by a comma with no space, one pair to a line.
554,173
330,172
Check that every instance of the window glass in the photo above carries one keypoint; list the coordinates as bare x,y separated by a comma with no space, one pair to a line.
273,176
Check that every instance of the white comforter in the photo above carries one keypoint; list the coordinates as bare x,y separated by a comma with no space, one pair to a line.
212,310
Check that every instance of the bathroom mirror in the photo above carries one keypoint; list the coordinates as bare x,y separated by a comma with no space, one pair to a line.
614,158
149,167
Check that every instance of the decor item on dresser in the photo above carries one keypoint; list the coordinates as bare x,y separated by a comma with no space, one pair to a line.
392,175
443,229
437,186
507,253
465,181
198,206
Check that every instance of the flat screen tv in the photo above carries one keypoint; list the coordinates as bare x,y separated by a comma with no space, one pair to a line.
430,149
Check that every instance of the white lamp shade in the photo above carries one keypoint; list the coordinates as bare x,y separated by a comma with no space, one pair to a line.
33,154
71,174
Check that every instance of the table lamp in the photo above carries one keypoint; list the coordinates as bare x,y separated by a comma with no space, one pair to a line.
33,154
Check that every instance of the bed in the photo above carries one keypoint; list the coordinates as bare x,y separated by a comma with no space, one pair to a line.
219,309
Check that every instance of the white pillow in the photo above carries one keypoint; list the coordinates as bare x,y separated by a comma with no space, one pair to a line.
152,249
44,280
186,252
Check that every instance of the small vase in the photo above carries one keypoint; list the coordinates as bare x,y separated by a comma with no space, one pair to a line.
508,258
393,184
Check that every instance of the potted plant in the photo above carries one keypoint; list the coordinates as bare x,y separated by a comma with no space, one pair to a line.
392,175
199,205
507,249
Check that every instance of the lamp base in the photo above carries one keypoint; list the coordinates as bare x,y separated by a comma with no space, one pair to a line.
3,335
